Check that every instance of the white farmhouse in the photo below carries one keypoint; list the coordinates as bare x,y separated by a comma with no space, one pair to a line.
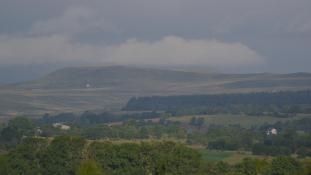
61,126
272,131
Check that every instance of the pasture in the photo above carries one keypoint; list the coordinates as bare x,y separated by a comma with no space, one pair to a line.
242,120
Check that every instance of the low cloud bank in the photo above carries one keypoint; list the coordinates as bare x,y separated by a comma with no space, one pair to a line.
170,50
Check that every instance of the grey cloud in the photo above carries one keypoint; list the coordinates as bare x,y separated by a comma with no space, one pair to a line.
278,30
173,50
169,50
212,15
74,20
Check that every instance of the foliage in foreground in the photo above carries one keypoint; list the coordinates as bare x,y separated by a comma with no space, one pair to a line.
75,156
69,155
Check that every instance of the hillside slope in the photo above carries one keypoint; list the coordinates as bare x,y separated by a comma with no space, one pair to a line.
108,88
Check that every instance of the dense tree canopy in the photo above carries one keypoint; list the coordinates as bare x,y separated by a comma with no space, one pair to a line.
279,103
15,130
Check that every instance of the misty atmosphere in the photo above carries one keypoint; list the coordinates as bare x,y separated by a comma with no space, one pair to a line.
167,87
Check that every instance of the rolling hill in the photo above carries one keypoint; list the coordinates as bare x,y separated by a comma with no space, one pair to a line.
76,89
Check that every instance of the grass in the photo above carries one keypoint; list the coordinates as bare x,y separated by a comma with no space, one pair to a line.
239,156
214,155
243,120
121,141
230,157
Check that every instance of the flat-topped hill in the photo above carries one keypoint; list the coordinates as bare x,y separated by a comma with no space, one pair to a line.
110,87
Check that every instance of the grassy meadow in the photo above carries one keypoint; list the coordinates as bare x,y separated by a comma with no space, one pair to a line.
242,120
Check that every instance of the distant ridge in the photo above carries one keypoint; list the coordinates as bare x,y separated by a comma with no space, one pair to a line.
115,76
110,87
109,76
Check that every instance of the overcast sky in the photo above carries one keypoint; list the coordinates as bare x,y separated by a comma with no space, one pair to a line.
225,35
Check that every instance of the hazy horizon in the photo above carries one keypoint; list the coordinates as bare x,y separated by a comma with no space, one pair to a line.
22,73
239,36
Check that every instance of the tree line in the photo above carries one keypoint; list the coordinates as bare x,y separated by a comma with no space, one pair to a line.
89,117
278,103
293,137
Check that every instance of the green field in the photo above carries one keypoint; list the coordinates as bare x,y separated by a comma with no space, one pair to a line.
214,155
231,157
244,121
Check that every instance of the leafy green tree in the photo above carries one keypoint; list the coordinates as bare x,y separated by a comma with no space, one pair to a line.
307,167
25,159
63,156
246,167
117,159
145,158
176,159
89,167
16,129
4,164
207,168
285,166
222,167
